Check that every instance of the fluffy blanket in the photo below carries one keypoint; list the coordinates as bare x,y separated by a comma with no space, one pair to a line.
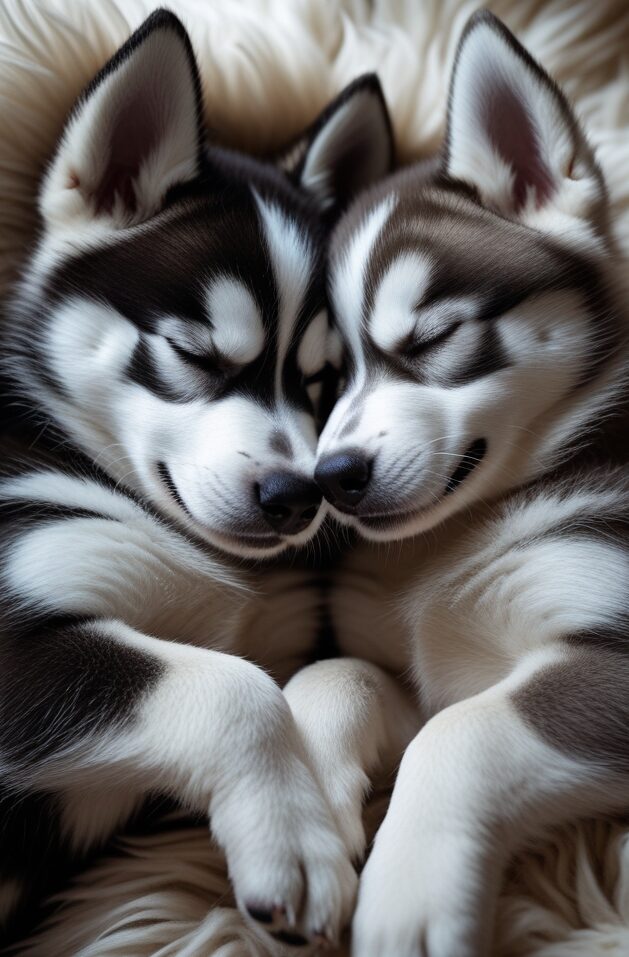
268,67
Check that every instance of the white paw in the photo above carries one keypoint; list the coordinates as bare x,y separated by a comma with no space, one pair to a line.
290,870
421,898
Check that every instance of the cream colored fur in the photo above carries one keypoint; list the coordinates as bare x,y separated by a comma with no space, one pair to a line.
268,67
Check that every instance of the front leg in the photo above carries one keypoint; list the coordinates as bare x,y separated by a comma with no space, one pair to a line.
354,720
545,745
96,707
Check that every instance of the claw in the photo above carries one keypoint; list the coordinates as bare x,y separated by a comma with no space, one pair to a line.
273,916
260,914
288,937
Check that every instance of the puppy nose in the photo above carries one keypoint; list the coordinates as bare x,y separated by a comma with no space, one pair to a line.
289,502
343,477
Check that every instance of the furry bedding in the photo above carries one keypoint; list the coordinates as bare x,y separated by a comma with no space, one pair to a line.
268,67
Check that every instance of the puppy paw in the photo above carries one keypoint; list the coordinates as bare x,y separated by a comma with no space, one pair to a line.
289,867
425,898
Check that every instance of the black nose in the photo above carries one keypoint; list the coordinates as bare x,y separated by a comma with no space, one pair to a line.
343,477
289,502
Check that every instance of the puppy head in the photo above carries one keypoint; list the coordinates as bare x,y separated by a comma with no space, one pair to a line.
471,297
172,321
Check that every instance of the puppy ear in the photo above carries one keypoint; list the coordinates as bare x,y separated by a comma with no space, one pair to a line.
350,146
511,133
135,132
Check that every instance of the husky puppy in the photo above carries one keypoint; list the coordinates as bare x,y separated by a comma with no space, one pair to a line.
484,420
158,354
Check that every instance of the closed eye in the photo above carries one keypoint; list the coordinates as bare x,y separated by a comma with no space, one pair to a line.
415,347
214,364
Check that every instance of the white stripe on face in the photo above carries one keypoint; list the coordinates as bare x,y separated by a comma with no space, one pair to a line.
312,348
394,315
293,260
348,278
237,330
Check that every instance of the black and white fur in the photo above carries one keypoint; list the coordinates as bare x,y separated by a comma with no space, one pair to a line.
484,421
158,357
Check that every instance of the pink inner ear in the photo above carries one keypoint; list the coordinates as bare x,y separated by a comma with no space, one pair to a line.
512,133
135,132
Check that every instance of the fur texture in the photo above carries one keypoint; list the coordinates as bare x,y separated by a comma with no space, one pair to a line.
482,302
153,350
302,53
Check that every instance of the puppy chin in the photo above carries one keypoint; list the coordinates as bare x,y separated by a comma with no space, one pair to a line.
395,529
259,547
241,548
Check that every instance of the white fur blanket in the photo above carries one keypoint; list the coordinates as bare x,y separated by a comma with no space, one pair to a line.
268,67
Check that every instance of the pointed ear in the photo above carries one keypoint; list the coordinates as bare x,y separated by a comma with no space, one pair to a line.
135,132
350,146
511,133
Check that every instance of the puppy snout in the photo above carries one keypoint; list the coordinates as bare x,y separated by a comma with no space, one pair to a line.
288,502
343,478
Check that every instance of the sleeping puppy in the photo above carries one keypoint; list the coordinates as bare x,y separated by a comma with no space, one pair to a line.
159,353
484,422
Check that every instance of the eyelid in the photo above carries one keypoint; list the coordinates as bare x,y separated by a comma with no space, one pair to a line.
187,336
182,350
212,363
416,345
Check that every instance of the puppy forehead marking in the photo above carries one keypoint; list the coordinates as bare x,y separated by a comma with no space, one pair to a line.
236,323
311,354
349,277
292,259
399,294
